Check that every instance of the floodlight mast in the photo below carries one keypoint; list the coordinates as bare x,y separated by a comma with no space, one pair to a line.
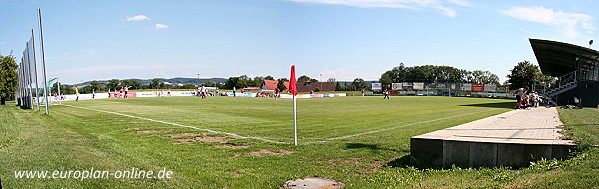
321,82
39,16
37,89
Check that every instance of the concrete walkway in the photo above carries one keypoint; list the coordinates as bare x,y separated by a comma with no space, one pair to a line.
525,135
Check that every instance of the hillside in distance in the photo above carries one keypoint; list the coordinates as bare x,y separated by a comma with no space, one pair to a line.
176,80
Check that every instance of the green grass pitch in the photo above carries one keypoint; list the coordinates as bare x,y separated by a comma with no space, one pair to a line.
363,137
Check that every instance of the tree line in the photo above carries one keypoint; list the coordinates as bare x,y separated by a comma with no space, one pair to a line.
433,74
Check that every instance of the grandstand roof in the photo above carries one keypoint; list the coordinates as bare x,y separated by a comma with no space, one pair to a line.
558,58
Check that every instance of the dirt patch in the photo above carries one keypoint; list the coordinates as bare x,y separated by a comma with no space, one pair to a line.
241,146
352,160
184,141
214,139
377,163
179,135
153,131
265,152
134,128
235,155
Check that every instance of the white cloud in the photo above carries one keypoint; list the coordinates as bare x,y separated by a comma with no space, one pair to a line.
569,23
440,5
160,26
137,18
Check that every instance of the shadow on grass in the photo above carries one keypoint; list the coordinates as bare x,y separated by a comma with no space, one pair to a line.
374,147
506,105
24,108
408,161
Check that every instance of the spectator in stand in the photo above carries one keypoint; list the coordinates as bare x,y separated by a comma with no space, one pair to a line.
535,99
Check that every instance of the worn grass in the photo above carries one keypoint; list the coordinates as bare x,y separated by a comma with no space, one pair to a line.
78,139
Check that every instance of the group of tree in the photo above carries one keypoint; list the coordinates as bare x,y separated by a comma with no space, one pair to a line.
116,84
433,74
356,85
528,75
8,78
245,81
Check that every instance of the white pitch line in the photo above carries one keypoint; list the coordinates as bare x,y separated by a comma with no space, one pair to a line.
376,131
176,124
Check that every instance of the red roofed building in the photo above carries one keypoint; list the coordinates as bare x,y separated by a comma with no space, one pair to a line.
311,86
271,85
301,87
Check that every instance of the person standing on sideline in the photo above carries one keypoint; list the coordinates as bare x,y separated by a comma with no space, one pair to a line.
168,92
76,95
276,93
126,89
203,92
386,93
519,94
362,93
234,92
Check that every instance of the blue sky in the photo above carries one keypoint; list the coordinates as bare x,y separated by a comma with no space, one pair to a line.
343,39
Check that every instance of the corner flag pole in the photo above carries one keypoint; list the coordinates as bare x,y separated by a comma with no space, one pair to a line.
294,120
293,90
39,17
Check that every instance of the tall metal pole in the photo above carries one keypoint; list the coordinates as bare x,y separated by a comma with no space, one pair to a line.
20,85
321,82
39,16
20,91
29,78
23,89
37,89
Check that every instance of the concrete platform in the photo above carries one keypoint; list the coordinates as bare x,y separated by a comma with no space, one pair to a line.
513,138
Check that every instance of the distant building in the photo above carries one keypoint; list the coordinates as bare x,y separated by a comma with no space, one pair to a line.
271,85
311,86
301,87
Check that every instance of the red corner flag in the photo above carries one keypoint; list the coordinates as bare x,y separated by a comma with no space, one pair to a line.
293,82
